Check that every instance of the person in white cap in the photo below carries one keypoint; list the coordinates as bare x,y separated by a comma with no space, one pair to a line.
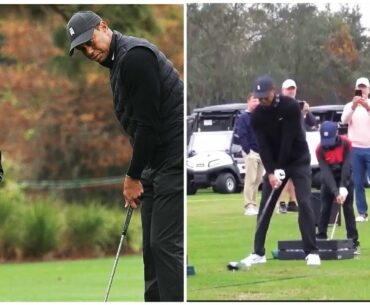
357,115
289,88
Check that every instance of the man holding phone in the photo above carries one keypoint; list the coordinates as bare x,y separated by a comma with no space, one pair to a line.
356,114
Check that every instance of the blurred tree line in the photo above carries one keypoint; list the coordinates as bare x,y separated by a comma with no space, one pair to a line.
57,120
229,45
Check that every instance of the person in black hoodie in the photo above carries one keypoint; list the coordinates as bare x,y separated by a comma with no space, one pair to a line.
334,157
148,103
277,123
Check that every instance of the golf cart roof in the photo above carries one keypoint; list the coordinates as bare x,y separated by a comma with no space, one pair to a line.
326,108
223,108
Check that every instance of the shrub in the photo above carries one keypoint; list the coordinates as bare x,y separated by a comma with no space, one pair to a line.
41,230
84,229
11,205
113,225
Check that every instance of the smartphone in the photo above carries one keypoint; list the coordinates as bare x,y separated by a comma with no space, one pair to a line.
358,92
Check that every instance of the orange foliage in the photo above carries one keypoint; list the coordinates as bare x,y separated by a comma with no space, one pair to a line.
341,45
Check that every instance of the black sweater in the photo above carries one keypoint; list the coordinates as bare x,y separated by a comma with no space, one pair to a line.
280,135
141,88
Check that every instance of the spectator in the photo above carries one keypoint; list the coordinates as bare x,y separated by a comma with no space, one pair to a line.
334,157
356,114
253,164
289,88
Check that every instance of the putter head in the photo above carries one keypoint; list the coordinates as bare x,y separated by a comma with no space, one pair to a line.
232,266
235,266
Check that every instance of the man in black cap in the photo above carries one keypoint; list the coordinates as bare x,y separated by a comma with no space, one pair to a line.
283,149
148,102
334,156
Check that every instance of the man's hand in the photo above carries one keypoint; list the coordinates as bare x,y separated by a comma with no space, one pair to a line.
343,192
274,181
132,190
356,101
306,108
363,103
340,199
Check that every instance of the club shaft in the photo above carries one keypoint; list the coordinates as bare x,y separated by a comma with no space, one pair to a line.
123,236
268,202
335,224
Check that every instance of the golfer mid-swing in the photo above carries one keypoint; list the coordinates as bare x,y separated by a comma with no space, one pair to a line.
283,148
148,103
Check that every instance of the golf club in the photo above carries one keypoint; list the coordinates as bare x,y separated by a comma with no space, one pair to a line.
335,224
123,236
232,266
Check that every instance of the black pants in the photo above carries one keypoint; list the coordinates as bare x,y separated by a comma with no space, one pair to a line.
301,177
327,199
162,212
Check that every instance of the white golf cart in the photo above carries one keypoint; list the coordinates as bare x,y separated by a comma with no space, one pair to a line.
213,160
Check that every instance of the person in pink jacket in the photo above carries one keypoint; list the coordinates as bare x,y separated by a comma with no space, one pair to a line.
357,115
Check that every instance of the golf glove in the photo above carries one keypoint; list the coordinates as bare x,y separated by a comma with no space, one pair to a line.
343,192
279,174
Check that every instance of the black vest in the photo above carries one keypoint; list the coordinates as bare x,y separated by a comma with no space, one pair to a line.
171,93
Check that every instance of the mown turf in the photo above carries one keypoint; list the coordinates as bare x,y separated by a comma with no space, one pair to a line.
80,280
218,232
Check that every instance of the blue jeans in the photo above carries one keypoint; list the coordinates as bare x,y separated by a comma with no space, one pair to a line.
360,160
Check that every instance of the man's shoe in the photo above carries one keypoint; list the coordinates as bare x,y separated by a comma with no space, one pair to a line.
321,236
313,260
362,218
250,210
282,207
253,259
292,206
356,247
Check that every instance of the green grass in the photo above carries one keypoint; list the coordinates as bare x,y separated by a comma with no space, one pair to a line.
79,280
218,232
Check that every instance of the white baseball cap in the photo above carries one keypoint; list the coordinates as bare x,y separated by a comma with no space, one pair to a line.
362,81
288,83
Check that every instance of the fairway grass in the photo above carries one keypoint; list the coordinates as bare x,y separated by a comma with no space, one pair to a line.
218,232
79,280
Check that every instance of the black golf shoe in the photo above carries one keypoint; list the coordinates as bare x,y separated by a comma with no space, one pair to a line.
292,207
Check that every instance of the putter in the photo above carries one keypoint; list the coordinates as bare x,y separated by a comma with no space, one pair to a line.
123,236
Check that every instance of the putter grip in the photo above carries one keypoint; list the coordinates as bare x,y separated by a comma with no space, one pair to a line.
127,222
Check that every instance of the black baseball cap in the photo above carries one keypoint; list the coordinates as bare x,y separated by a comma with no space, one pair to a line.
80,28
262,86
328,133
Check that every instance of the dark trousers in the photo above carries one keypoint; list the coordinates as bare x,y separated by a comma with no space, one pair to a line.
162,213
301,177
327,199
